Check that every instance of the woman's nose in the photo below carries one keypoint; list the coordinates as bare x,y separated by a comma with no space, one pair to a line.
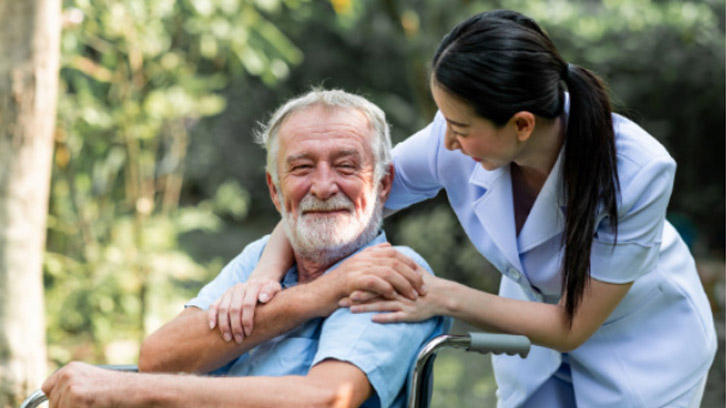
450,140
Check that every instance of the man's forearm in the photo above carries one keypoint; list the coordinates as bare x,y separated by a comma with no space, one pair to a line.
153,390
187,344
328,384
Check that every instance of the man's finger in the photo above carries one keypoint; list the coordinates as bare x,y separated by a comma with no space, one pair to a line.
372,283
411,271
50,384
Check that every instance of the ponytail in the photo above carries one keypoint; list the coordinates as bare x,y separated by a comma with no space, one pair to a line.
590,177
501,63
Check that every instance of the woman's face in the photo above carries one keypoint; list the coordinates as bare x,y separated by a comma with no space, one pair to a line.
476,137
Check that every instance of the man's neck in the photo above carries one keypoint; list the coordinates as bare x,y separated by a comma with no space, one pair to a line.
309,270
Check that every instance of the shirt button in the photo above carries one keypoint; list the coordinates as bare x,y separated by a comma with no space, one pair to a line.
513,273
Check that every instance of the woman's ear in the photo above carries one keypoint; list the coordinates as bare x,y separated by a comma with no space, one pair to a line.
524,123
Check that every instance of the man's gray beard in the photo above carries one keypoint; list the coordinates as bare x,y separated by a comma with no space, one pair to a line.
321,241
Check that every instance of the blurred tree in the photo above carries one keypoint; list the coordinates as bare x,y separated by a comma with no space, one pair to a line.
30,38
136,76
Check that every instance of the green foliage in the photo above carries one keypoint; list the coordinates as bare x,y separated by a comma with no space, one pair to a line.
136,76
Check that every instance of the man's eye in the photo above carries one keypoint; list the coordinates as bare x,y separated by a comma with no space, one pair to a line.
346,167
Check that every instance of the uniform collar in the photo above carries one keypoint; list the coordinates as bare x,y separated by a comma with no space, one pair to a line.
496,212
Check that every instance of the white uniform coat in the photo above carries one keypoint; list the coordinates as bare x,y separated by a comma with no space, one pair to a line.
659,341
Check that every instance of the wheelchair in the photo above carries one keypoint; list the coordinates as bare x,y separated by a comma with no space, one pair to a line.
421,377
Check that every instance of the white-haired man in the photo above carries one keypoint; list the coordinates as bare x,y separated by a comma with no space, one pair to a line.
329,174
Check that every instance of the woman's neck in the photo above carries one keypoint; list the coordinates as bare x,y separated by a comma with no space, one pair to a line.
538,157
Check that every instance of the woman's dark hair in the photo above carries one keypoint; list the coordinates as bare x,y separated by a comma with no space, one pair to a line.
501,63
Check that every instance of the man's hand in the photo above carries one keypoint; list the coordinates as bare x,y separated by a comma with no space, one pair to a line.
380,271
234,311
82,385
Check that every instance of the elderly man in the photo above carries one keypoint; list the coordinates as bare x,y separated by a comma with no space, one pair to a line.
329,173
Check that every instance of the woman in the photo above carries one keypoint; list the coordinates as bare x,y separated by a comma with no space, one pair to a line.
568,201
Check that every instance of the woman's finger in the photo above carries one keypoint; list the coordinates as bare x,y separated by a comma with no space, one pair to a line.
378,306
249,302
361,296
235,312
269,290
223,317
395,317
212,314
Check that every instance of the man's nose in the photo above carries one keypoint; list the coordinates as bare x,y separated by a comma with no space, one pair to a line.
324,183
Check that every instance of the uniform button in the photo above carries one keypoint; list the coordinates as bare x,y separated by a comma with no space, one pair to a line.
513,273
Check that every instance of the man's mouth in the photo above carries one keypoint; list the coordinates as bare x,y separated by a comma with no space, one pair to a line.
334,211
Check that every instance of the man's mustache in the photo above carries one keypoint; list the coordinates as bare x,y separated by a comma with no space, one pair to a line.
338,202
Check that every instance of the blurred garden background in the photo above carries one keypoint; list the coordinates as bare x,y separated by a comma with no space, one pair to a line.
156,182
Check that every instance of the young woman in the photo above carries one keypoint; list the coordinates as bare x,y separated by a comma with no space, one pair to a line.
568,201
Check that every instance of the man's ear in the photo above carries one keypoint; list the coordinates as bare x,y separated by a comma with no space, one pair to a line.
274,194
386,183
523,123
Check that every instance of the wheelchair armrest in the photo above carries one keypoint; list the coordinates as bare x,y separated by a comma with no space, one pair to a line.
38,397
479,342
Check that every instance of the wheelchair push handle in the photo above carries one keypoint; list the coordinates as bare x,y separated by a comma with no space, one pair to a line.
499,344
480,342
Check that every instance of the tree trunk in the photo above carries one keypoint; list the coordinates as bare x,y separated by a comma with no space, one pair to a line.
30,48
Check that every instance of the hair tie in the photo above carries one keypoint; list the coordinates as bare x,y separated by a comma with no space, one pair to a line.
566,71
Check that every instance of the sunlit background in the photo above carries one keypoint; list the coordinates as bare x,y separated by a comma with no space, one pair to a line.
156,183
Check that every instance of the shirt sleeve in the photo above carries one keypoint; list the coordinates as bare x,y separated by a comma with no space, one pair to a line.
384,352
641,217
236,271
415,166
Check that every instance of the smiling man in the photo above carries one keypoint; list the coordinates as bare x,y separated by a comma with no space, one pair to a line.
329,173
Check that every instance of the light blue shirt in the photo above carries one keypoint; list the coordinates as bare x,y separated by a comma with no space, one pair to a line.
384,352
658,342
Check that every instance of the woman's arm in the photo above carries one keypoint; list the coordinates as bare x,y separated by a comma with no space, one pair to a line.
544,324
389,272
263,285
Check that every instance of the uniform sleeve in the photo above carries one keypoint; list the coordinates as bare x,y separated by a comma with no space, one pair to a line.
236,271
641,218
415,165
384,352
